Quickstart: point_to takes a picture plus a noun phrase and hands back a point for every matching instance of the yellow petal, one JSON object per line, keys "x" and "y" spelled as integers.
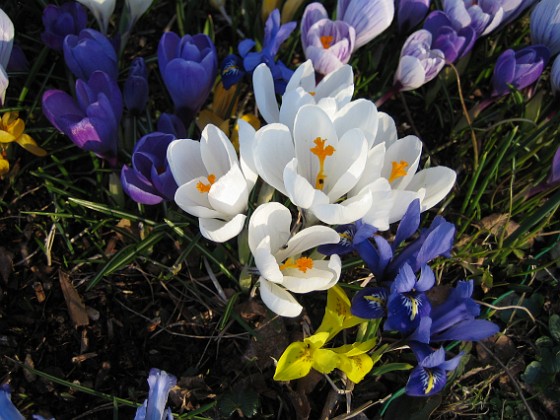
{"x": 356, "y": 367}
{"x": 6, "y": 137}
{"x": 355, "y": 349}
{"x": 317, "y": 340}
{"x": 4, "y": 166}
{"x": 325, "y": 360}
{"x": 16, "y": 127}
{"x": 295, "y": 362}
{"x": 9, "y": 117}
{"x": 206, "y": 117}
{"x": 289, "y": 9}
{"x": 30, "y": 145}
{"x": 223, "y": 103}
{"x": 337, "y": 313}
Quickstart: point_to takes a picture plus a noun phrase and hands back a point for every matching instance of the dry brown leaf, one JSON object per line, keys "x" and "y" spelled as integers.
{"x": 76, "y": 308}
{"x": 6, "y": 263}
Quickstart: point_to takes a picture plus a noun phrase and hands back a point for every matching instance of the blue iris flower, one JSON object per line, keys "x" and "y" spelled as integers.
{"x": 160, "y": 383}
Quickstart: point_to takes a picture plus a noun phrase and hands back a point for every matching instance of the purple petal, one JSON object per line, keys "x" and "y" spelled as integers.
{"x": 468, "y": 330}
{"x": 408, "y": 224}
{"x": 138, "y": 188}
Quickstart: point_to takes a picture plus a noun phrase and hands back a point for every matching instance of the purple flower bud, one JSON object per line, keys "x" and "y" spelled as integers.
{"x": 519, "y": 68}
{"x": 545, "y": 25}
{"x": 150, "y": 180}
{"x": 419, "y": 63}
{"x": 188, "y": 66}
{"x": 368, "y": 17}
{"x": 328, "y": 44}
{"x": 92, "y": 120}
{"x": 411, "y": 12}
{"x": 59, "y": 21}
{"x": 454, "y": 43}
{"x": 136, "y": 87}
{"x": 88, "y": 52}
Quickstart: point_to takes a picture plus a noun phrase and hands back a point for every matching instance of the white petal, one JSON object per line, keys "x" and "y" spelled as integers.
{"x": 358, "y": 114}
{"x": 191, "y": 200}
{"x": 246, "y": 157}
{"x": 329, "y": 105}
{"x": 386, "y": 130}
{"x": 217, "y": 151}
{"x": 401, "y": 201}
{"x": 348, "y": 211}
{"x": 437, "y": 182}
{"x": 292, "y": 101}
{"x": 307, "y": 239}
{"x": 263, "y": 87}
{"x": 279, "y": 300}
{"x": 273, "y": 149}
{"x": 270, "y": 219}
{"x": 310, "y": 281}
{"x": 339, "y": 85}
{"x": 407, "y": 149}
{"x": 185, "y": 161}
{"x": 266, "y": 263}
{"x": 410, "y": 73}
{"x": 382, "y": 198}
{"x": 229, "y": 194}
{"x": 6, "y": 38}
{"x": 221, "y": 230}
{"x": 299, "y": 190}
{"x": 372, "y": 169}
{"x": 304, "y": 77}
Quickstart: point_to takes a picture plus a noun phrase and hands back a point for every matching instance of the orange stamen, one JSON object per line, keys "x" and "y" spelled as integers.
{"x": 398, "y": 170}
{"x": 326, "y": 41}
{"x": 204, "y": 188}
{"x": 302, "y": 264}
{"x": 322, "y": 153}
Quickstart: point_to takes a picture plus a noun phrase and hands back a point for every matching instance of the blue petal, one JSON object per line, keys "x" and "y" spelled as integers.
{"x": 468, "y": 330}
{"x": 405, "y": 310}
{"x": 405, "y": 280}
{"x": 245, "y": 46}
{"x": 408, "y": 224}
{"x": 8, "y": 410}
{"x": 424, "y": 382}
{"x": 363, "y": 231}
{"x": 160, "y": 384}
{"x": 438, "y": 242}
{"x": 427, "y": 279}
{"x": 369, "y": 303}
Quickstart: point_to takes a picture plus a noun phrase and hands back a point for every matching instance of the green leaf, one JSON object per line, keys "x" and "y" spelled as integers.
{"x": 391, "y": 367}
{"x": 554, "y": 327}
{"x": 533, "y": 373}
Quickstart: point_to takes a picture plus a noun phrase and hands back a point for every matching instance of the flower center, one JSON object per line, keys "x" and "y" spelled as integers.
{"x": 398, "y": 170}
{"x": 431, "y": 382}
{"x": 322, "y": 153}
{"x": 412, "y": 305}
{"x": 302, "y": 264}
{"x": 204, "y": 188}
{"x": 326, "y": 41}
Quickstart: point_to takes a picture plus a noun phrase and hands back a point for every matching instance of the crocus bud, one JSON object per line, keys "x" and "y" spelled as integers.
{"x": 454, "y": 43}
{"x": 411, "y": 12}
{"x": 136, "y": 87}
{"x": 59, "y": 21}
{"x": 188, "y": 66}
{"x": 545, "y": 25}
{"x": 519, "y": 68}
{"x": 136, "y": 8}
{"x": 555, "y": 75}
{"x": 149, "y": 180}
{"x": 368, "y": 17}
{"x": 88, "y": 52}
{"x": 419, "y": 63}
{"x": 101, "y": 10}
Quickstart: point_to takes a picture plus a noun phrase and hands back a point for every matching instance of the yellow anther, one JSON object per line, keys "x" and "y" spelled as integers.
{"x": 326, "y": 41}
{"x": 302, "y": 264}
{"x": 398, "y": 170}
{"x": 204, "y": 188}
{"x": 322, "y": 153}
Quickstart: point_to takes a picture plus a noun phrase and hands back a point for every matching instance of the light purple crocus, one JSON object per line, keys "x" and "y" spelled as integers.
{"x": 92, "y": 120}
{"x": 135, "y": 92}
{"x": 188, "y": 66}
{"x": 328, "y": 44}
{"x": 419, "y": 63}
{"x": 88, "y": 52}
{"x": 430, "y": 376}
{"x": 149, "y": 180}
{"x": 368, "y": 17}
{"x": 555, "y": 75}
{"x": 545, "y": 25}
{"x": 482, "y": 15}
{"x": 514, "y": 8}
{"x": 519, "y": 68}
{"x": 59, "y": 21}
{"x": 411, "y": 12}
{"x": 454, "y": 42}
{"x": 160, "y": 383}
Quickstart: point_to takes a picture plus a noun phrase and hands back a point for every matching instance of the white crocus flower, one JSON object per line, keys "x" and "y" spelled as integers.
{"x": 331, "y": 93}
{"x": 6, "y": 44}
{"x": 279, "y": 260}
{"x": 212, "y": 184}
{"x": 137, "y": 8}
{"x": 101, "y": 10}
{"x": 317, "y": 164}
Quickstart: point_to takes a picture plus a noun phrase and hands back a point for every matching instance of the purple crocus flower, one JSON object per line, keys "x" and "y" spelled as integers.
{"x": 171, "y": 124}
{"x": 160, "y": 383}
{"x": 88, "y": 52}
{"x": 188, "y": 66}
{"x": 274, "y": 36}
{"x": 7, "y": 408}
{"x": 482, "y": 15}
{"x": 407, "y": 303}
{"x": 519, "y": 68}
{"x": 555, "y": 75}
{"x": 411, "y": 12}
{"x": 135, "y": 90}
{"x": 150, "y": 180}
{"x": 545, "y": 25}
{"x": 430, "y": 376}
{"x": 368, "y": 17}
{"x": 454, "y": 42}
{"x": 419, "y": 63}
{"x": 328, "y": 44}
{"x": 92, "y": 121}
{"x": 455, "y": 319}
{"x": 18, "y": 60}
{"x": 59, "y": 21}
{"x": 513, "y": 8}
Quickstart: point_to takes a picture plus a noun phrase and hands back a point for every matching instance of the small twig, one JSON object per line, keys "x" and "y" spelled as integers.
{"x": 502, "y": 308}
{"x": 513, "y": 380}
{"x": 215, "y": 281}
